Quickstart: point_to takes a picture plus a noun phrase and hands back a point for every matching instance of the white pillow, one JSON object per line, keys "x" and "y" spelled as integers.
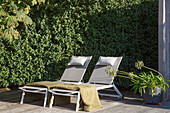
{"x": 77, "y": 61}
{"x": 106, "y": 61}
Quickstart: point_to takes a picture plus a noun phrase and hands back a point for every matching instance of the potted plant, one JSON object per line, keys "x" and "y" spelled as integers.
{"x": 149, "y": 84}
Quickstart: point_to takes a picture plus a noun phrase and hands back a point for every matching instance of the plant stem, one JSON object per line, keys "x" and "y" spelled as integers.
{"x": 125, "y": 73}
{"x": 154, "y": 71}
{"x": 123, "y": 76}
{"x": 126, "y": 77}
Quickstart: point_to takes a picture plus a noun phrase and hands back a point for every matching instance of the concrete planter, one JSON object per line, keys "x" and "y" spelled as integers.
{"x": 155, "y": 99}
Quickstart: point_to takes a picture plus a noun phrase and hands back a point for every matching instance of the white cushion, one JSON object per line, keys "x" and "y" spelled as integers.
{"x": 77, "y": 61}
{"x": 106, "y": 61}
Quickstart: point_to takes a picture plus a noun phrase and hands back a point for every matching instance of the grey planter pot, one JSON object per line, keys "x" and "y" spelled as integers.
{"x": 155, "y": 99}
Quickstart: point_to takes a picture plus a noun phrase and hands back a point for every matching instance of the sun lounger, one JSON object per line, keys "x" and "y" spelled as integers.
{"x": 101, "y": 80}
{"x": 73, "y": 73}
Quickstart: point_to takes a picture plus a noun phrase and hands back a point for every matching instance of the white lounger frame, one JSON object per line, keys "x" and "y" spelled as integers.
{"x": 65, "y": 93}
{"x": 67, "y": 76}
{"x": 34, "y": 90}
{"x": 105, "y": 87}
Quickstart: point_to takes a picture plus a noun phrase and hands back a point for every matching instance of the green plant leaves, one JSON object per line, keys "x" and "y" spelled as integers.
{"x": 12, "y": 22}
{"x": 148, "y": 80}
{"x": 11, "y": 13}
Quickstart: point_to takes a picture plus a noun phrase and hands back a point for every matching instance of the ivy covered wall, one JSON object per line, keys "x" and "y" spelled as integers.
{"x": 125, "y": 28}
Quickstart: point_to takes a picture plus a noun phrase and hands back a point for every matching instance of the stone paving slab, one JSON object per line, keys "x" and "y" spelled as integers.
{"x": 9, "y": 103}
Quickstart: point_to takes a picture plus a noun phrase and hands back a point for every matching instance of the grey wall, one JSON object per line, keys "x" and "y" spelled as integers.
{"x": 164, "y": 41}
{"x": 167, "y": 19}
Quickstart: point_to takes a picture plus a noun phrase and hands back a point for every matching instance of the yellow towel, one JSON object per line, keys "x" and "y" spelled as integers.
{"x": 89, "y": 95}
{"x": 44, "y": 84}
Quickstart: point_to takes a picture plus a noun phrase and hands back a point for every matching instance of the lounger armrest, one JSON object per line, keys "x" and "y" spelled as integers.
{"x": 61, "y": 90}
{"x": 33, "y": 89}
{"x": 64, "y": 92}
{"x": 69, "y": 82}
{"x": 29, "y": 87}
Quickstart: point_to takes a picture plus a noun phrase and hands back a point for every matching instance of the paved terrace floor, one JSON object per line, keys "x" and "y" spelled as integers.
{"x": 130, "y": 104}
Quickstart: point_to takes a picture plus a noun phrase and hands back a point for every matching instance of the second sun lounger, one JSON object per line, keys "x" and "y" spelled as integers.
{"x": 101, "y": 80}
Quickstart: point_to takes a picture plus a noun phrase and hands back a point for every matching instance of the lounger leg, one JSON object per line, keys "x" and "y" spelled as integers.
{"x": 51, "y": 102}
{"x": 45, "y": 99}
{"x": 99, "y": 94}
{"x": 22, "y": 98}
{"x": 117, "y": 91}
{"x": 78, "y": 99}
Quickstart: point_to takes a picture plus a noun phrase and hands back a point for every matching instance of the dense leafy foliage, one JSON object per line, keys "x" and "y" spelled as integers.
{"x": 80, "y": 27}
{"x": 11, "y": 13}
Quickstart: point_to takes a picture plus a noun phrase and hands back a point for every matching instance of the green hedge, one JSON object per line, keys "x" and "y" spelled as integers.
{"x": 80, "y": 27}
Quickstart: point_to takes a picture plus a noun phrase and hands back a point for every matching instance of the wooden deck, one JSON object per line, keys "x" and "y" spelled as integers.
{"x": 9, "y": 103}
